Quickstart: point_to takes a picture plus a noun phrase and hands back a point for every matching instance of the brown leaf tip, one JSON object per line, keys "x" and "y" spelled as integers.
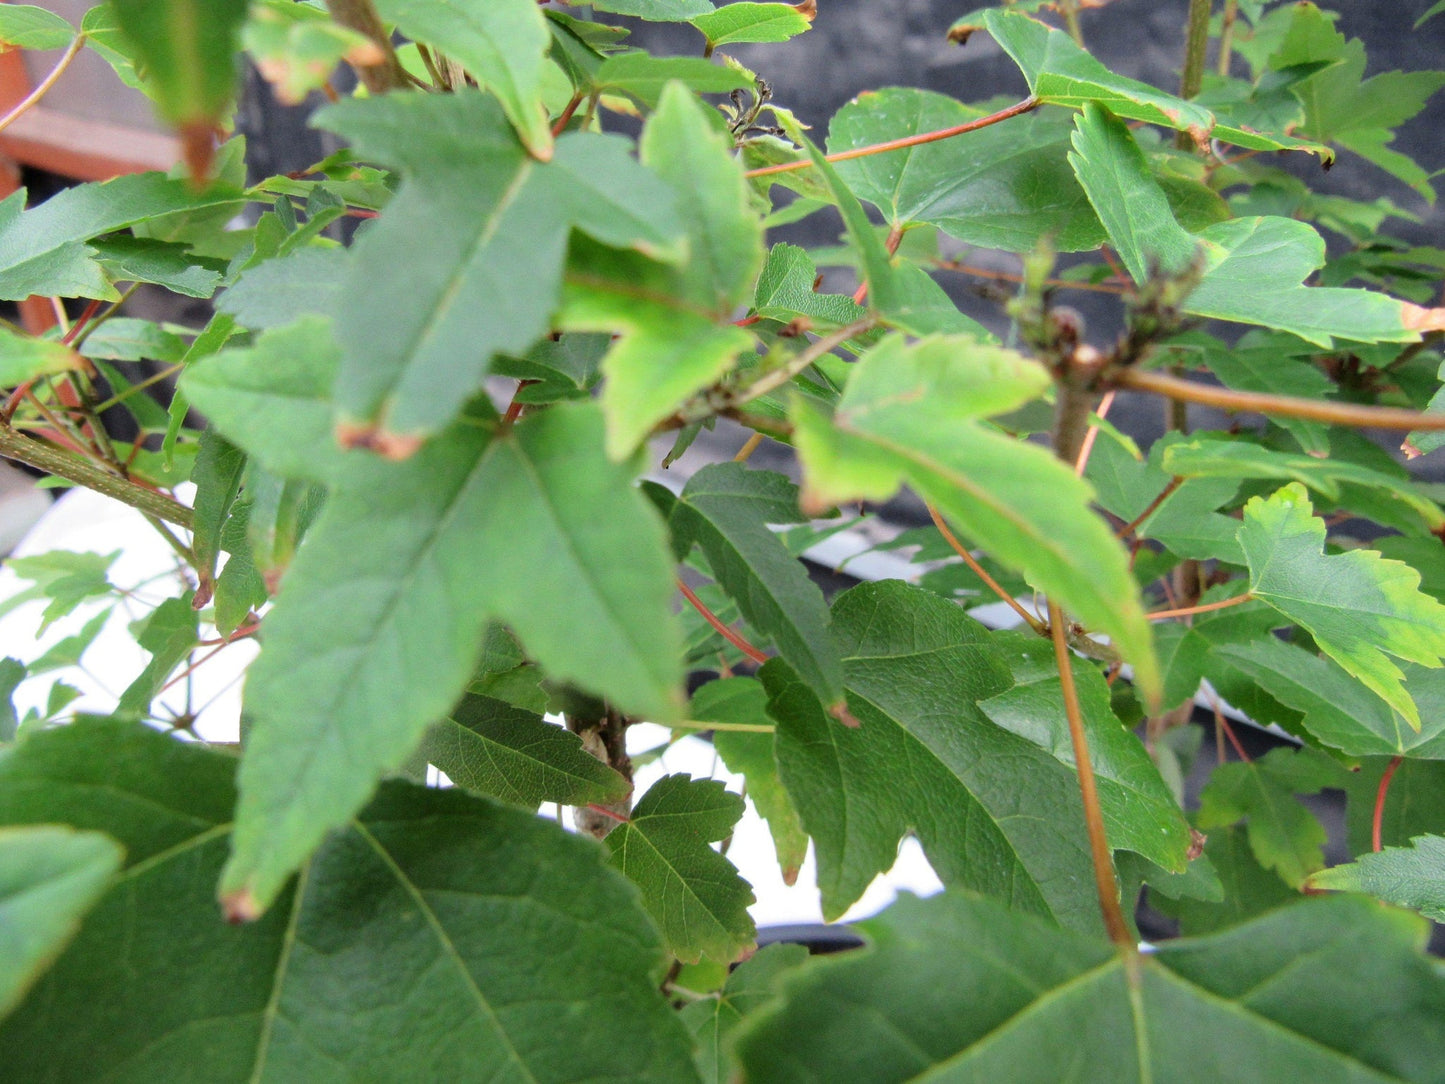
{"x": 840, "y": 712}
{"x": 808, "y": 9}
{"x": 239, "y": 907}
{"x": 1419, "y": 318}
{"x": 395, "y": 446}
{"x": 198, "y": 150}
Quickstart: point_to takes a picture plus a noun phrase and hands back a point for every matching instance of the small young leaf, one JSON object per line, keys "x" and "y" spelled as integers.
{"x": 49, "y": 877}
{"x": 1359, "y": 607}
{"x": 503, "y": 752}
{"x": 24, "y": 26}
{"x": 1412, "y": 876}
{"x": 693, "y": 893}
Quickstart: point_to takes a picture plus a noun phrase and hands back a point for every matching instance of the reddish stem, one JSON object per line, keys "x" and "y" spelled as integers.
{"x": 361, "y": 212}
{"x": 1024, "y": 106}
{"x": 895, "y": 238}
{"x": 566, "y": 115}
{"x": 618, "y": 817}
{"x": 514, "y": 408}
{"x": 1190, "y": 611}
{"x": 1380, "y": 801}
{"x": 716, "y": 622}
{"x": 79, "y": 325}
{"x": 1133, "y": 525}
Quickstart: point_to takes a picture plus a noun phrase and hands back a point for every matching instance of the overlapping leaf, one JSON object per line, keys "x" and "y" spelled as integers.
{"x": 785, "y": 291}
{"x": 693, "y": 893}
{"x": 49, "y": 877}
{"x": 437, "y": 930}
{"x": 713, "y": 1020}
{"x": 1359, "y": 607}
{"x": 503, "y": 43}
{"x": 958, "y": 988}
{"x": 910, "y": 413}
{"x": 678, "y": 337}
{"x": 508, "y": 753}
{"x": 994, "y": 811}
{"x": 723, "y": 509}
{"x": 1004, "y": 186}
{"x": 1412, "y": 876}
{"x": 385, "y": 607}
{"x": 467, "y": 261}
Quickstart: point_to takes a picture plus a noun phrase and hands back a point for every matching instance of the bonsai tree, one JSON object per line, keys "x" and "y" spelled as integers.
{"x": 416, "y": 461}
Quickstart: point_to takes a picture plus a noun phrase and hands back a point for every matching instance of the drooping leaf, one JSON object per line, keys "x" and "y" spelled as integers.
{"x": 676, "y": 322}
{"x": 384, "y": 609}
{"x": 467, "y": 261}
{"x": 279, "y": 513}
{"x": 994, "y": 812}
{"x": 723, "y": 509}
{"x": 743, "y": 702}
{"x": 123, "y": 338}
{"x": 1359, "y": 607}
{"x": 168, "y": 633}
{"x": 693, "y": 893}
{"x": 43, "y": 250}
{"x": 735, "y": 23}
{"x": 49, "y": 877}
{"x": 1412, "y": 876}
{"x": 1253, "y": 274}
{"x": 188, "y": 54}
{"x": 240, "y": 587}
{"x": 503, "y": 43}
{"x": 1127, "y": 197}
{"x": 712, "y": 1020}
{"x": 1139, "y": 812}
{"x": 437, "y": 930}
{"x": 217, "y": 474}
{"x": 12, "y": 673}
{"x": 958, "y": 988}
{"x": 910, "y": 413}
{"x": 1340, "y": 711}
{"x": 1284, "y": 835}
{"x": 1061, "y": 73}
{"x": 24, "y": 26}
{"x": 274, "y": 399}
{"x": 503, "y": 752}
{"x": 1004, "y": 186}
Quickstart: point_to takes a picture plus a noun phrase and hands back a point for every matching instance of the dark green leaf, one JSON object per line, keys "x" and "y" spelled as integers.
{"x": 12, "y": 673}
{"x": 169, "y": 633}
{"x": 240, "y": 588}
{"x": 723, "y": 509}
{"x": 693, "y": 893}
{"x": 1247, "y": 889}
{"x": 786, "y": 291}
{"x": 438, "y": 932}
{"x": 644, "y": 77}
{"x": 495, "y": 749}
{"x": 188, "y": 51}
{"x": 467, "y": 261}
{"x": 1359, "y": 607}
{"x": 306, "y": 282}
{"x": 136, "y": 259}
{"x": 49, "y": 877}
{"x": 217, "y": 474}
{"x": 1412, "y": 876}
{"x": 385, "y": 607}
{"x": 958, "y": 988}
{"x": 712, "y": 1020}
{"x": 1005, "y": 186}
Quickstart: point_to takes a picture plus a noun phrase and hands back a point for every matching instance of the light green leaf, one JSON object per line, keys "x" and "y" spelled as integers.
{"x": 995, "y": 813}
{"x": 1253, "y": 274}
{"x": 376, "y": 634}
{"x": 467, "y": 260}
{"x": 1284, "y": 835}
{"x": 67, "y": 579}
{"x": 1412, "y": 876}
{"x": 1434, "y": 10}
{"x": 503, "y": 752}
{"x": 1127, "y": 197}
{"x": 1139, "y": 812}
{"x": 744, "y": 702}
{"x": 274, "y": 399}
{"x": 24, "y": 26}
{"x": 658, "y": 10}
{"x": 168, "y": 633}
{"x": 712, "y": 1020}
{"x": 910, "y": 413}
{"x": 679, "y": 337}
{"x": 305, "y": 282}
{"x": 693, "y": 893}
{"x": 1059, "y": 72}
{"x": 503, "y": 43}
{"x": 49, "y": 877}
{"x": 24, "y": 358}
{"x": 785, "y": 291}
{"x": 723, "y": 509}
{"x": 436, "y": 931}
{"x": 43, "y": 250}
{"x": 644, "y": 77}
{"x": 188, "y": 53}
{"x": 1337, "y": 709}
{"x": 12, "y": 673}
{"x": 1359, "y": 607}
{"x": 750, "y": 22}
{"x": 958, "y": 988}
{"x": 1005, "y": 186}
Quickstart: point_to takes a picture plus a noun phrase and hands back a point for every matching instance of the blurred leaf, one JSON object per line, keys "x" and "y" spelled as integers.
{"x": 24, "y": 358}
{"x": 1248, "y": 890}
{"x": 66, "y": 579}
{"x": 645, "y": 77}
{"x": 24, "y": 26}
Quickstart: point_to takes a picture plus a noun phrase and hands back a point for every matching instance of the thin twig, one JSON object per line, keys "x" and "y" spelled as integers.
{"x": 908, "y": 141}
{"x": 1287, "y": 406}
{"x": 1133, "y": 525}
{"x": 795, "y": 365}
{"x": 1082, "y": 463}
{"x": 979, "y": 571}
{"x": 44, "y": 85}
{"x": 1105, "y": 879}
{"x": 748, "y": 448}
{"x": 1190, "y": 611}
{"x": 1379, "y": 818}
{"x": 716, "y": 622}
{"x": 895, "y": 238}
{"x": 1013, "y": 276}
